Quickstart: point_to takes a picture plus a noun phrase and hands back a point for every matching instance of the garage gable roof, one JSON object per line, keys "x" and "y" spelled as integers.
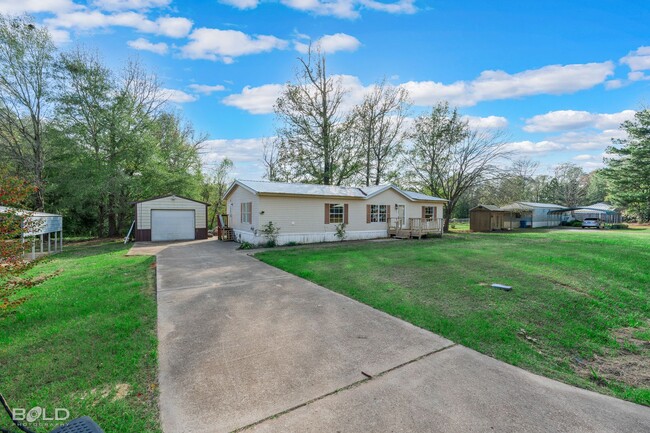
{"x": 303, "y": 189}
{"x": 169, "y": 195}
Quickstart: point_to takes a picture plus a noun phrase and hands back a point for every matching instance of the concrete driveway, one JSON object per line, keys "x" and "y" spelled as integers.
{"x": 244, "y": 346}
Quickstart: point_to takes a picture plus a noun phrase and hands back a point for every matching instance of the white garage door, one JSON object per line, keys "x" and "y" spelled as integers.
{"x": 172, "y": 225}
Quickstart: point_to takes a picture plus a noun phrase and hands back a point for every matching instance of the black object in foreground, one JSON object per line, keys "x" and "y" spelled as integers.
{"x": 502, "y": 287}
{"x": 79, "y": 425}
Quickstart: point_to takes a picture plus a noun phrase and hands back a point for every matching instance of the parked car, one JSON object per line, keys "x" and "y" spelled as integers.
{"x": 592, "y": 223}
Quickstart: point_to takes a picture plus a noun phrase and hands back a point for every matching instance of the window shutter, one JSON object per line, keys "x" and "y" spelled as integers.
{"x": 327, "y": 213}
{"x": 435, "y": 212}
{"x": 345, "y": 213}
{"x": 424, "y": 212}
{"x": 387, "y": 213}
{"x": 367, "y": 214}
{"x": 241, "y": 212}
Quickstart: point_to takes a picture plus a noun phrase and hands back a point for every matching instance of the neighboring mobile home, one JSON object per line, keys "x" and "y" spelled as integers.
{"x": 528, "y": 214}
{"x": 310, "y": 213}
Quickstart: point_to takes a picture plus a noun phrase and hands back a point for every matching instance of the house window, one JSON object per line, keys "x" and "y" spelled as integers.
{"x": 336, "y": 213}
{"x": 378, "y": 213}
{"x": 247, "y": 212}
{"x": 429, "y": 212}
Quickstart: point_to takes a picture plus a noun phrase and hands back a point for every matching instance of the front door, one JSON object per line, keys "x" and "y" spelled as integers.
{"x": 401, "y": 214}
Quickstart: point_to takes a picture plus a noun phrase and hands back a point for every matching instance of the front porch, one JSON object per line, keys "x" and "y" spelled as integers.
{"x": 400, "y": 228}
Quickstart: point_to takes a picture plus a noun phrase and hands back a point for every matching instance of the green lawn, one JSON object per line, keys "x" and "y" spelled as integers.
{"x": 578, "y": 312}
{"x": 84, "y": 339}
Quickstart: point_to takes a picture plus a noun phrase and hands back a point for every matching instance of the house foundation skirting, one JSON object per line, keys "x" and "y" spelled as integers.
{"x": 308, "y": 238}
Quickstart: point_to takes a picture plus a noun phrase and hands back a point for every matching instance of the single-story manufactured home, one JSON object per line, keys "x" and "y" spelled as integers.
{"x": 308, "y": 213}
{"x": 528, "y": 214}
{"x": 170, "y": 218}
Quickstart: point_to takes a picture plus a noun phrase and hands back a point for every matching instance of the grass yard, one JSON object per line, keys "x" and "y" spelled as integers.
{"x": 579, "y": 310}
{"x": 83, "y": 338}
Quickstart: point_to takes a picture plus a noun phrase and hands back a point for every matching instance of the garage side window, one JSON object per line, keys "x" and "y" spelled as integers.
{"x": 247, "y": 212}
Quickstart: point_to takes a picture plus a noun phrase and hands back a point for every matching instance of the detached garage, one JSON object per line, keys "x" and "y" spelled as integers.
{"x": 170, "y": 218}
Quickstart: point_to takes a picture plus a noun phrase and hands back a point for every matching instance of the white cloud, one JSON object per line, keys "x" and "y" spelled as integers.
{"x": 329, "y": 44}
{"x": 174, "y": 27}
{"x": 145, "y": 45}
{"x": 36, "y": 6}
{"x": 238, "y": 150}
{"x": 589, "y": 140}
{"x": 260, "y": 100}
{"x": 119, "y": 5}
{"x": 530, "y": 147}
{"x": 563, "y": 120}
{"x": 399, "y": 7}
{"x": 256, "y": 100}
{"x": 638, "y": 60}
{"x": 241, "y": 4}
{"x": 88, "y": 20}
{"x": 614, "y": 84}
{"x": 337, "y": 8}
{"x": 176, "y": 96}
{"x": 224, "y": 45}
{"x": 584, "y": 157}
{"x": 206, "y": 89}
{"x": 493, "y": 85}
{"x": 348, "y": 8}
{"x": 59, "y": 37}
{"x": 489, "y": 122}
{"x": 637, "y": 76}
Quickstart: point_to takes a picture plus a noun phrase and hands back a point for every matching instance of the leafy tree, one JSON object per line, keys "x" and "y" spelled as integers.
{"x": 26, "y": 92}
{"x": 597, "y": 187}
{"x": 315, "y": 132}
{"x": 380, "y": 129}
{"x": 572, "y": 184}
{"x": 448, "y": 158}
{"x": 628, "y": 170}
{"x": 14, "y": 193}
{"x": 214, "y": 188}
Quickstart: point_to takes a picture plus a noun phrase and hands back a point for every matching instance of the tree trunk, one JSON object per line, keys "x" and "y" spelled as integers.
{"x": 112, "y": 217}
{"x": 448, "y": 210}
{"x": 100, "y": 220}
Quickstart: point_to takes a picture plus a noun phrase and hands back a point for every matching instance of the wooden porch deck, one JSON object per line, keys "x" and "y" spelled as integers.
{"x": 414, "y": 227}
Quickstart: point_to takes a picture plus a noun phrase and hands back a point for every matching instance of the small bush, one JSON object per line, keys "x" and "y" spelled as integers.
{"x": 246, "y": 246}
{"x": 575, "y": 223}
{"x": 340, "y": 232}
{"x": 270, "y": 232}
{"x": 619, "y": 226}
{"x": 292, "y": 244}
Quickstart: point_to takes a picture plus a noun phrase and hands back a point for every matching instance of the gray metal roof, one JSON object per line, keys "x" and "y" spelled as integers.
{"x": 5, "y": 209}
{"x": 528, "y": 205}
{"x": 365, "y": 192}
{"x": 603, "y": 207}
{"x": 488, "y": 207}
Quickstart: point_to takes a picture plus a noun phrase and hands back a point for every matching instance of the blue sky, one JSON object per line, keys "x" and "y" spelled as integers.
{"x": 558, "y": 76}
